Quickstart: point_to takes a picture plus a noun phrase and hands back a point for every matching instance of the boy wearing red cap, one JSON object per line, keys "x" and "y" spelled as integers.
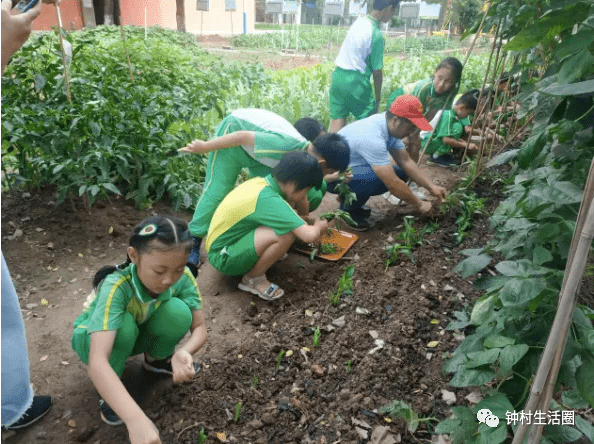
{"x": 360, "y": 56}
{"x": 373, "y": 172}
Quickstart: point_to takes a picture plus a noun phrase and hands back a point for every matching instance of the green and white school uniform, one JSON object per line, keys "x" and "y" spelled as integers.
{"x": 255, "y": 203}
{"x": 143, "y": 323}
{"x": 449, "y": 126}
{"x": 274, "y": 137}
{"x": 425, "y": 92}
{"x": 361, "y": 53}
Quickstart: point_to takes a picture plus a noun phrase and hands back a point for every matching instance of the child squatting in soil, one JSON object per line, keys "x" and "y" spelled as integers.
{"x": 255, "y": 225}
{"x": 145, "y": 305}
{"x": 435, "y": 93}
{"x": 446, "y": 141}
{"x": 255, "y": 139}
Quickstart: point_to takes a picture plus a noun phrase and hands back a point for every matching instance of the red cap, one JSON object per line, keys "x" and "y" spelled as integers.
{"x": 410, "y": 108}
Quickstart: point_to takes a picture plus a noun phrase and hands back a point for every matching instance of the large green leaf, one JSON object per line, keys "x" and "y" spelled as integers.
{"x": 585, "y": 427}
{"x": 472, "y": 265}
{"x": 510, "y": 355}
{"x": 561, "y": 434}
{"x": 467, "y": 377}
{"x": 520, "y": 291}
{"x": 585, "y": 381}
{"x": 573, "y": 89}
{"x": 574, "y": 43}
{"x": 498, "y": 341}
{"x": 482, "y": 310}
{"x": 576, "y": 66}
{"x": 548, "y": 26}
{"x": 498, "y": 404}
{"x": 478, "y": 359}
{"x": 493, "y": 435}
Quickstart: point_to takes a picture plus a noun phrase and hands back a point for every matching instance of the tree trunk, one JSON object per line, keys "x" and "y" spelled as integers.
{"x": 108, "y": 12}
{"x": 180, "y": 15}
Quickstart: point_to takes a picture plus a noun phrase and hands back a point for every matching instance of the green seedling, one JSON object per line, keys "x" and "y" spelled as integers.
{"x": 237, "y": 411}
{"x": 202, "y": 437}
{"x": 401, "y": 410}
{"x": 345, "y": 285}
{"x": 410, "y": 237}
{"x": 469, "y": 207}
{"x": 279, "y": 359}
{"x": 349, "y": 366}
{"x": 255, "y": 382}
{"x": 316, "y": 337}
{"x": 346, "y": 196}
{"x": 340, "y": 215}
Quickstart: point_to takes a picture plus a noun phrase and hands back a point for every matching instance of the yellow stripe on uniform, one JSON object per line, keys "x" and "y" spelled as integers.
{"x": 193, "y": 280}
{"x": 119, "y": 282}
{"x": 237, "y": 205}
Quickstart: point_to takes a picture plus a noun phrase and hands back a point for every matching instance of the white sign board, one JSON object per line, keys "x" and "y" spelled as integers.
{"x": 409, "y": 10}
{"x": 274, "y": 7}
{"x": 429, "y": 12}
{"x": 202, "y": 5}
{"x": 334, "y": 7}
{"x": 357, "y": 8}
{"x": 230, "y": 5}
{"x": 290, "y": 7}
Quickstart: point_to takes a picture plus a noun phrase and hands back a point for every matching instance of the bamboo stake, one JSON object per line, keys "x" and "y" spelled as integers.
{"x": 483, "y": 144}
{"x": 66, "y": 75}
{"x": 483, "y": 87}
{"x": 124, "y": 40}
{"x": 502, "y": 113}
{"x": 551, "y": 358}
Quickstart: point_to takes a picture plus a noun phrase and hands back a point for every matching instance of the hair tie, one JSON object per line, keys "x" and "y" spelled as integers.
{"x": 148, "y": 230}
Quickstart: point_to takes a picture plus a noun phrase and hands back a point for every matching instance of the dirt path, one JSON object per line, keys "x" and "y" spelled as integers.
{"x": 55, "y": 254}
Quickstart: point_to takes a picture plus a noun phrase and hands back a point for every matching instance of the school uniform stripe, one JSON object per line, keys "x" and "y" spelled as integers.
{"x": 109, "y": 299}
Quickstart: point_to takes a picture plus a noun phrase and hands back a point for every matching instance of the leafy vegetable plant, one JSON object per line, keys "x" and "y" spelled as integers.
{"x": 409, "y": 238}
{"x": 317, "y": 336}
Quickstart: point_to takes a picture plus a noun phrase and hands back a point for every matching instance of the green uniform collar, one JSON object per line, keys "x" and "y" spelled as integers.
{"x": 274, "y": 185}
{"x": 140, "y": 291}
{"x": 374, "y": 21}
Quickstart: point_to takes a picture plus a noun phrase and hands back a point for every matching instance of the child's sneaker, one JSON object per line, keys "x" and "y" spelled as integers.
{"x": 163, "y": 366}
{"x": 194, "y": 256}
{"x": 108, "y": 416}
{"x": 39, "y": 408}
{"x": 445, "y": 160}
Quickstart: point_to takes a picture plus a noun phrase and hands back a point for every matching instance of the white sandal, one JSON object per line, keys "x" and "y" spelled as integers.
{"x": 268, "y": 294}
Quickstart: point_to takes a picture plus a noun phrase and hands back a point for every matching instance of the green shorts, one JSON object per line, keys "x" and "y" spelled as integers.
{"x": 350, "y": 93}
{"x": 236, "y": 259}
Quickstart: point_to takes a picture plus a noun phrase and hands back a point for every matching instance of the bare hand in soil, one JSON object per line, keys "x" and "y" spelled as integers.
{"x": 425, "y": 208}
{"x": 143, "y": 431}
{"x": 439, "y": 192}
{"x": 322, "y": 224}
{"x": 182, "y": 365}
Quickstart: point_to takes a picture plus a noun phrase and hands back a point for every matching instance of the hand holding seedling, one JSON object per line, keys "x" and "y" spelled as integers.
{"x": 322, "y": 225}
{"x": 195, "y": 146}
{"x": 425, "y": 208}
{"x": 182, "y": 365}
{"x": 439, "y": 192}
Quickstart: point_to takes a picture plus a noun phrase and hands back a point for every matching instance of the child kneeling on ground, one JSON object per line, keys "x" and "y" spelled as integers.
{"x": 447, "y": 136}
{"x": 146, "y": 305}
{"x": 255, "y": 225}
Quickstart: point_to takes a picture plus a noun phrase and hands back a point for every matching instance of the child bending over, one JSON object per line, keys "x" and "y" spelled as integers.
{"x": 447, "y": 136}
{"x": 145, "y": 305}
{"x": 255, "y": 225}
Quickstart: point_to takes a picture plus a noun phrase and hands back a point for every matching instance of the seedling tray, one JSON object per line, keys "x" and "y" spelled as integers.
{"x": 342, "y": 239}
